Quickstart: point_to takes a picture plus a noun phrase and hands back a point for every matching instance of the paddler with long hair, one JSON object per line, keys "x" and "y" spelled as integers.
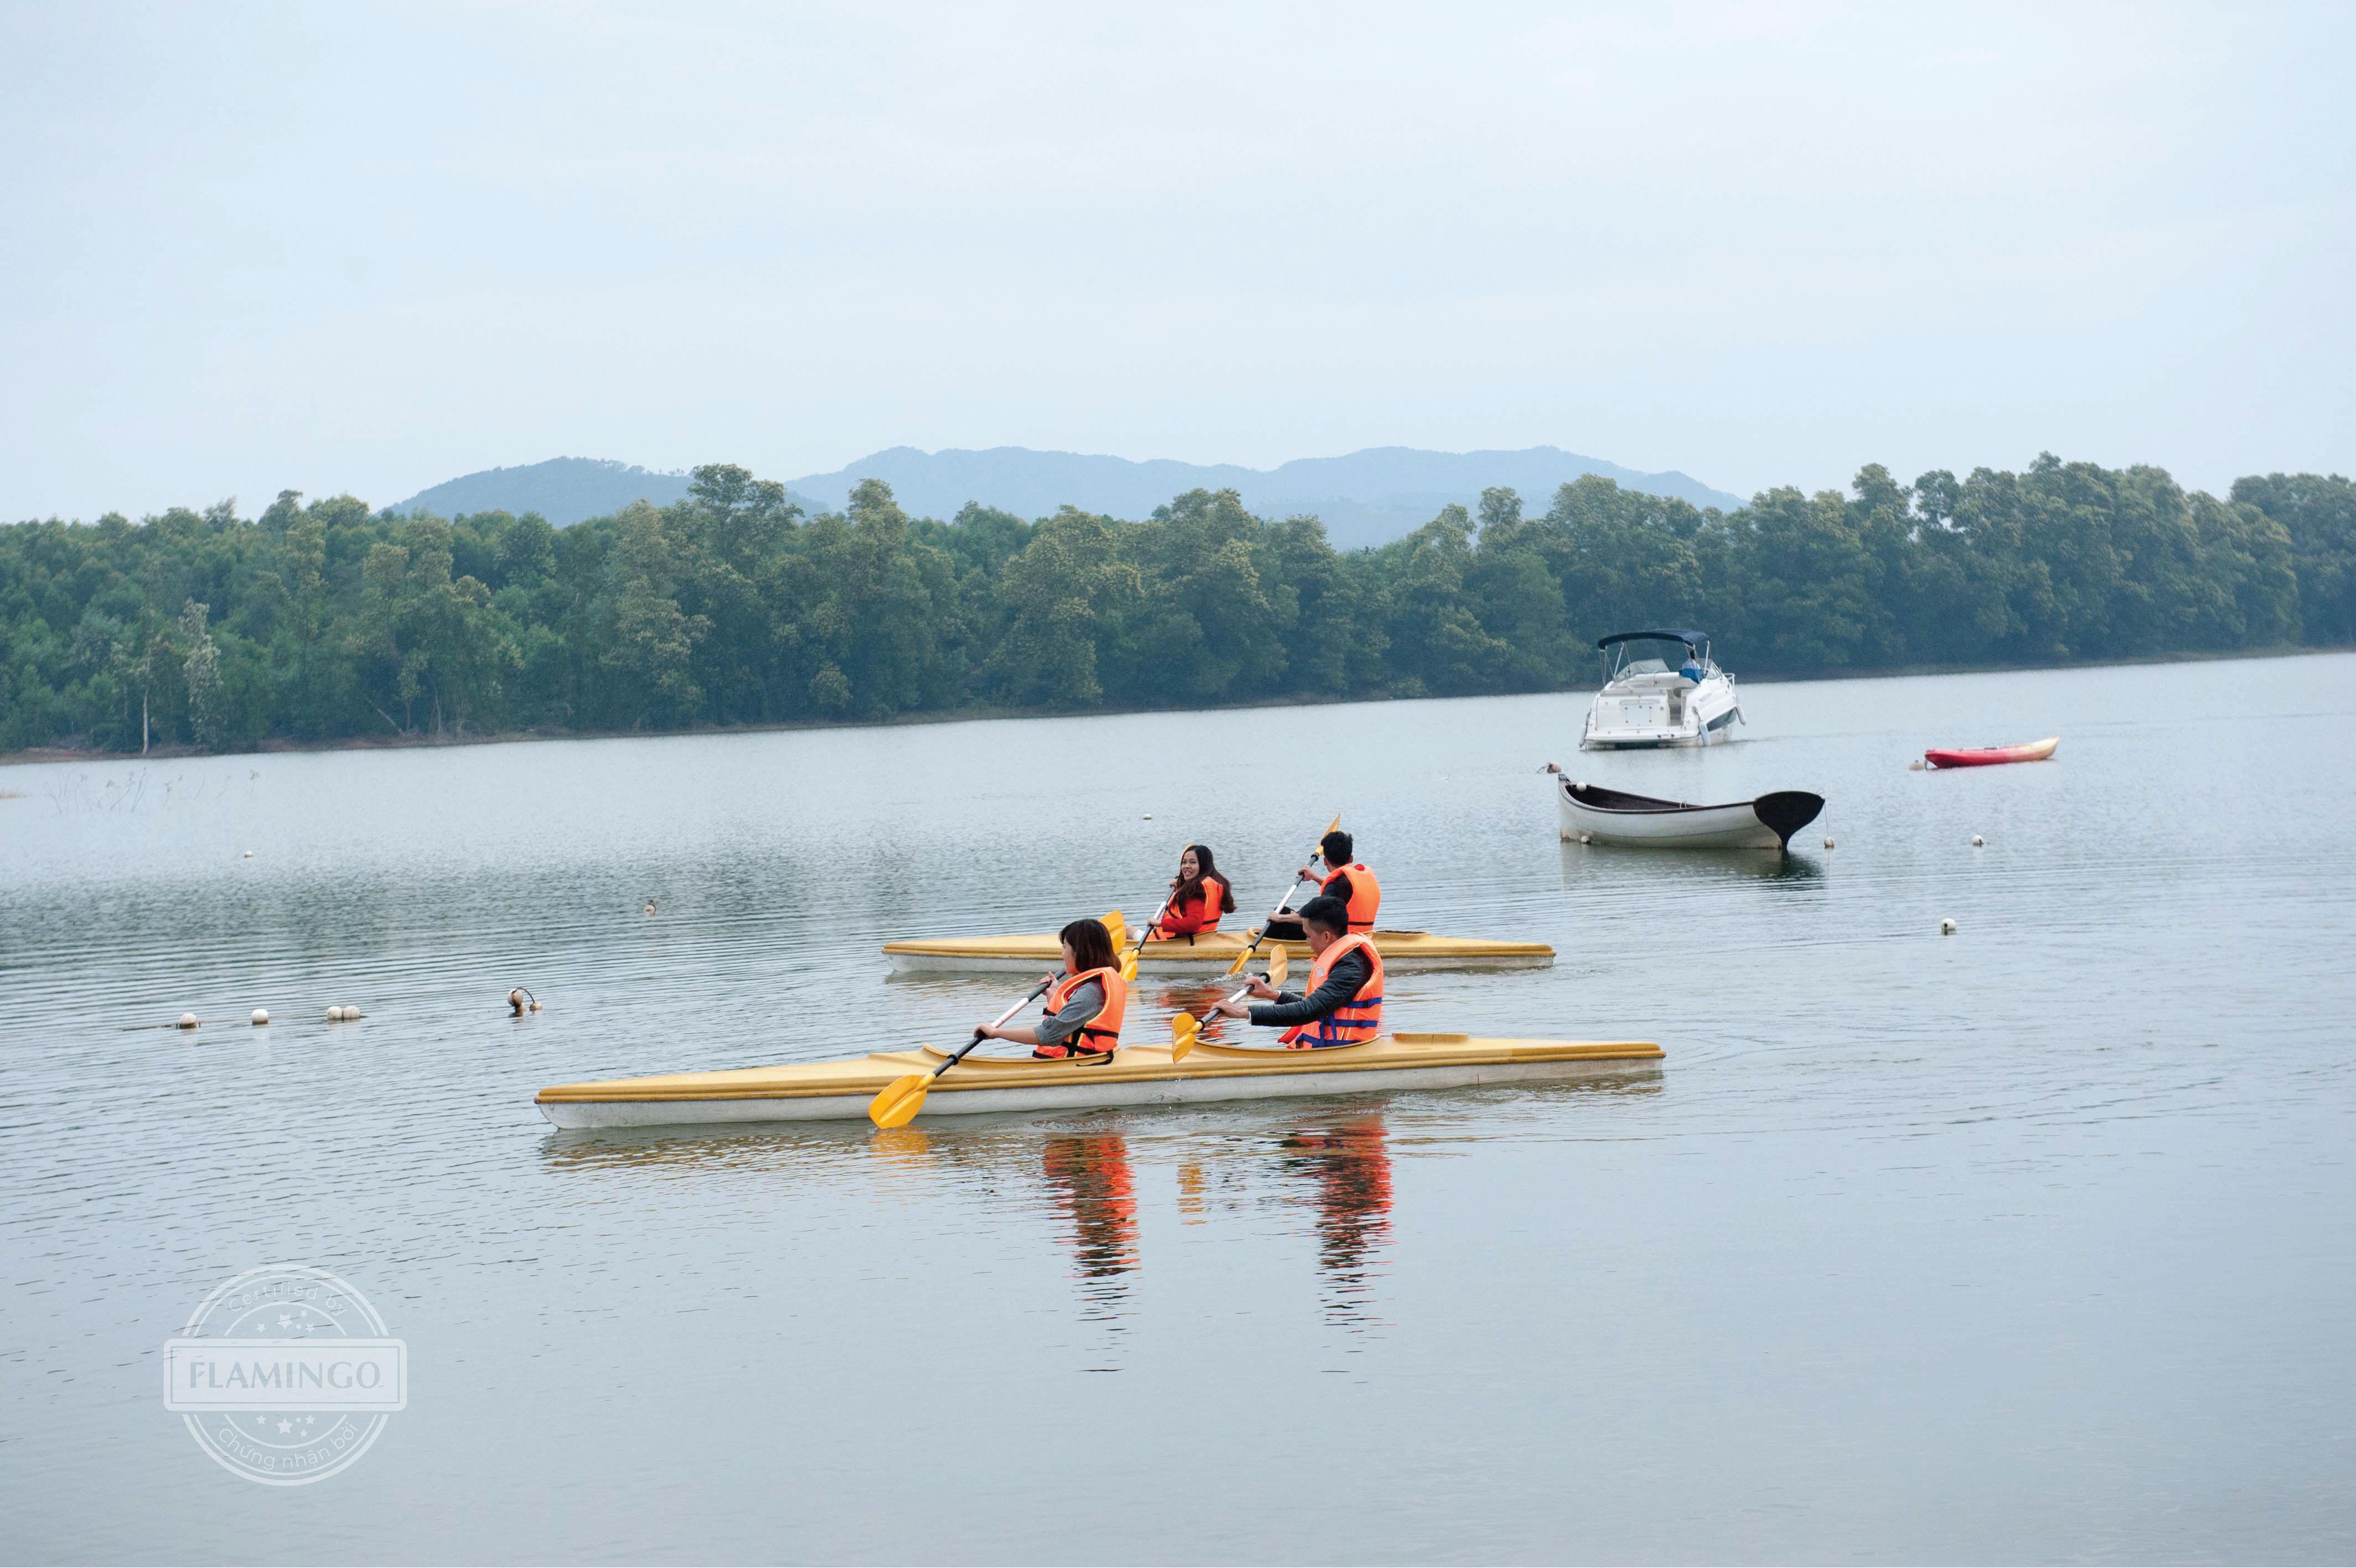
{"x": 1347, "y": 879}
{"x": 1199, "y": 895}
{"x": 1343, "y": 1004}
{"x": 1084, "y": 1006}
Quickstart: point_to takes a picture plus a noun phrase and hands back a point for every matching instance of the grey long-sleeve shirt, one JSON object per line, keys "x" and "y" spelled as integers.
{"x": 1342, "y": 982}
{"x": 1084, "y": 1003}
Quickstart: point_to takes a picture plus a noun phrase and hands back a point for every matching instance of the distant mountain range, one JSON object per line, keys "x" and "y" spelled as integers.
{"x": 1367, "y": 497}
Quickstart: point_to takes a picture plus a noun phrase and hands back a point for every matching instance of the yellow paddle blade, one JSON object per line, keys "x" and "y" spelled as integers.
{"x": 1186, "y": 1026}
{"x": 1277, "y": 965}
{"x": 1244, "y": 957}
{"x": 1335, "y": 826}
{"x": 1128, "y": 967}
{"x": 902, "y": 1098}
{"x": 1179, "y": 1048}
{"x": 1115, "y": 927}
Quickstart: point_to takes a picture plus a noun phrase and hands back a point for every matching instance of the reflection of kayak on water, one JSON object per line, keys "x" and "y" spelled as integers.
{"x": 1135, "y": 1075}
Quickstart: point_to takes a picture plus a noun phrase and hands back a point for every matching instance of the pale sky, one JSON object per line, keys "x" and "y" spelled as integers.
{"x": 337, "y": 248}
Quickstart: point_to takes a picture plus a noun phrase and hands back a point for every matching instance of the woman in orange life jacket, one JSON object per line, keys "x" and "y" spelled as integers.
{"x": 1346, "y": 879}
{"x": 1344, "y": 1003}
{"x": 1198, "y": 896}
{"x": 1084, "y": 1007}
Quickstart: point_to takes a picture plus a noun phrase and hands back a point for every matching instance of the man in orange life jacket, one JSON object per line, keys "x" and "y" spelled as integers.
{"x": 1345, "y": 1003}
{"x": 1347, "y": 879}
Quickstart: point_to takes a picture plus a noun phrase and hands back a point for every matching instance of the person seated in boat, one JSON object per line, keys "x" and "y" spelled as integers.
{"x": 1345, "y": 879}
{"x": 1690, "y": 670}
{"x": 1198, "y": 897}
{"x": 1085, "y": 1005}
{"x": 1343, "y": 1004}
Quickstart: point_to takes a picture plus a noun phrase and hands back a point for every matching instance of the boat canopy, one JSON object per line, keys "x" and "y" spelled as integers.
{"x": 1690, "y": 639}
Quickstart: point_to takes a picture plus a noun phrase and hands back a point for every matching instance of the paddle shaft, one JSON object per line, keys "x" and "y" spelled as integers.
{"x": 1283, "y": 907}
{"x": 959, "y": 1055}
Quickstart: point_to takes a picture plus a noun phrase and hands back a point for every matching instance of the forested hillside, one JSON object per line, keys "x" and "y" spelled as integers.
{"x": 316, "y": 623}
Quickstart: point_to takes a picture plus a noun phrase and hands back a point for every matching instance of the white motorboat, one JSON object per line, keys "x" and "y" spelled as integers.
{"x": 1591, "y": 813}
{"x": 1660, "y": 689}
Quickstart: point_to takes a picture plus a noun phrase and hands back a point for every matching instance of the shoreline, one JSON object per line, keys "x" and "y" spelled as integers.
{"x": 35, "y": 756}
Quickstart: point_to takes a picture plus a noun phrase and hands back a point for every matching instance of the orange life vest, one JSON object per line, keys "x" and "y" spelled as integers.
{"x": 1360, "y": 1018}
{"x": 1208, "y": 897}
{"x": 1365, "y": 894}
{"x": 1102, "y": 1032}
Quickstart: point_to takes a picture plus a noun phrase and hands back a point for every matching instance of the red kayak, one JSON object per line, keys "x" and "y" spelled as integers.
{"x": 1988, "y": 756}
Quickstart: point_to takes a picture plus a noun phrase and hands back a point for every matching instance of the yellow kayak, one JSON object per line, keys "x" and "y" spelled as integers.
{"x": 1136, "y": 1075}
{"x": 1404, "y": 952}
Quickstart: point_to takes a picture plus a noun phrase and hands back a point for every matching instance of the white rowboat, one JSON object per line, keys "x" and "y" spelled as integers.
{"x": 1592, "y": 814}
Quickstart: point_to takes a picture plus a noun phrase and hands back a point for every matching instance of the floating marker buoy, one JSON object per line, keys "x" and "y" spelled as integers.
{"x": 188, "y": 1020}
{"x": 1915, "y": 766}
{"x": 351, "y": 1015}
{"x": 1583, "y": 839}
{"x": 650, "y": 906}
{"x": 249, "y": 854}
{"x": 262, "y": 1015}
{"x": 335, "y": 1015}
{"x": 1828, "y": 843}
{"x": 1946, "y": 928}
{"x": 1977, "y": 841}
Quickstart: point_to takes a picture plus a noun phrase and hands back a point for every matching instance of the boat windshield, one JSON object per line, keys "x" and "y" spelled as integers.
{"x": 1649, "y": 656}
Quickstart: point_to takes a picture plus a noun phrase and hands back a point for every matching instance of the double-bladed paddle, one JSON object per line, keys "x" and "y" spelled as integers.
{"x": 1186, "y": 1026}
{"x": 1283, "y": 906}
{"x": 902, "y": 1098}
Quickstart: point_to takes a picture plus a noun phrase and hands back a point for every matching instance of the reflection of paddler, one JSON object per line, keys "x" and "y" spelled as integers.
{"x": 1091, "y": 1177}
{"x": 1346, "y": 879}
{"x": 1343, "y": 1004}
{"x": 1198, "y": 896}
{"x": 1084, "y": 1007}
{"x": 1353, "y": 1169}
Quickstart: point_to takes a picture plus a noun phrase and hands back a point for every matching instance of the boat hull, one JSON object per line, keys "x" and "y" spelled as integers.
{"x": 1651, "y": 716}
{"x": 1766, "y": 823}
{"x": 1404, "y": 952}
{"x": 1991, "y": 756}
{"x": 1137, "y": 1077}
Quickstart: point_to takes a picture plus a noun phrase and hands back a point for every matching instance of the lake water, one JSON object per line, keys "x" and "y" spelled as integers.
{"x": 2037, "y": 1242}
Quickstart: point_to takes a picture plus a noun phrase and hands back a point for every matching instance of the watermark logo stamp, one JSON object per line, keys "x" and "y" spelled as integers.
{"x": 286, "y": 1375}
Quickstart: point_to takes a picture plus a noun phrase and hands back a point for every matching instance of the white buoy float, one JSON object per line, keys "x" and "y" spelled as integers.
{"x": 335, "y": 1015}
{"x": 261, "y": 1016}
{"x": 1978, "y": 842}
{"x": 1946, "y": 928}
{"x": 1828, "y": 843}
{"x": 188, "y": 1020}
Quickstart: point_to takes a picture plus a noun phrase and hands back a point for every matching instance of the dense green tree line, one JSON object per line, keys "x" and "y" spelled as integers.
{"x": 321, "y": 622}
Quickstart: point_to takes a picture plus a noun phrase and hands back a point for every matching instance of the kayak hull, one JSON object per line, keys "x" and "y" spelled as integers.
{"x": 1137, "y": 1077}
{"x": 1991, "y": 756}
{"x": 1404, "y": 952}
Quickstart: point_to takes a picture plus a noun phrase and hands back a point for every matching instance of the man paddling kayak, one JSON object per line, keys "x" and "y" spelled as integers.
{"x": 1346, "y": 881}
{"x": 1344, "y": 1001}
{"x": 1198, "y": 897}
{"x": 1084, "y": 1007}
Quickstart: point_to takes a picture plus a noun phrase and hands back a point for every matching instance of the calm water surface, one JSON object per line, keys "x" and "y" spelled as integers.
{"x": 2033, "y": 1243}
